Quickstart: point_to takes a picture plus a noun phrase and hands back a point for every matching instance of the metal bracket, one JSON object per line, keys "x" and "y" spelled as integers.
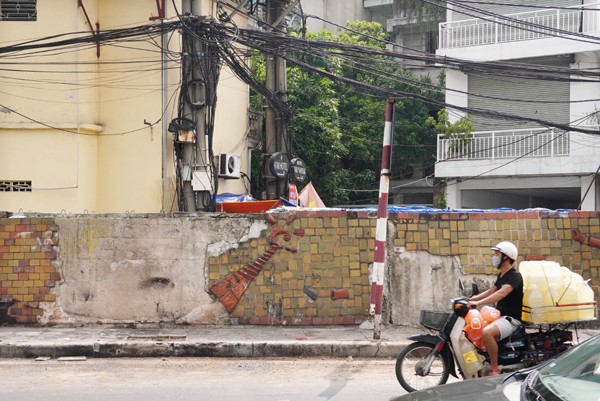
{"x": 160, "y": 6}
{"x": 96, "y": 33}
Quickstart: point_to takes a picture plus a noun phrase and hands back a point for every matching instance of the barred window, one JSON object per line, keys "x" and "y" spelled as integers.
{"x": 18, "y": 10}
{"x": 15, "y": 186}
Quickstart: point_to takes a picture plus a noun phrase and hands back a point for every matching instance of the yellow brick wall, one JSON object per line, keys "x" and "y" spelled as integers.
{"x": 27, "y": 274}
{"x": 338, "y": 246}
{"x": 326, "y": 251}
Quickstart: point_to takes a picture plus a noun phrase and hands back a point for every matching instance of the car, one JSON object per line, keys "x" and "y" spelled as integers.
{"x": 574, "y": 375}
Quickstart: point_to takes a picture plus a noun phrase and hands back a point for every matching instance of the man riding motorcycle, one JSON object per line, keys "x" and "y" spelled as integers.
{"x": 507, "y": 294}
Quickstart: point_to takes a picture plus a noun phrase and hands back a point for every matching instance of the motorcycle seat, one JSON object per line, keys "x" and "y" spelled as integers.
{"x": 518, "y": 337}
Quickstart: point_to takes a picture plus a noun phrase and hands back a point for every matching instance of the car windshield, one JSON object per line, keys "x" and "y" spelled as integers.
{"x": 576, "y": 375}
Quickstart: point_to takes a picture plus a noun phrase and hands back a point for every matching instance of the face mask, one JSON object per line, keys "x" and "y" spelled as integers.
{"x": 496, "y": 261}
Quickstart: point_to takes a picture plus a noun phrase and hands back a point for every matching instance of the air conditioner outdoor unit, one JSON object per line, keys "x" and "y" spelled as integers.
{"x": 229, "y": 165}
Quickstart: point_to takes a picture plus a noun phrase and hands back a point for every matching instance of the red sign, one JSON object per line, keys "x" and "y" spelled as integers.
{"x": 293, "y": 194}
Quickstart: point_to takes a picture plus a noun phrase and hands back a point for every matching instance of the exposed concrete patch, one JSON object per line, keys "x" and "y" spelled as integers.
{"x": 126, "y": 264}
{"x": 423, "y": 280}
{"x": 54, "y": 314}
{"x": 219, "y": 248}
{"x": 214, "y": 313}
{"x": 255, "y": 231}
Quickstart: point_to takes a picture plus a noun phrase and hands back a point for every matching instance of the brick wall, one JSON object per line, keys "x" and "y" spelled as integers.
{"x": 538, "y": 235}
{"x": 27, "y": 272}
{"x": 337, "y": 249}
{"x": 295, "y": 286}
{"x": 307, "y": 267}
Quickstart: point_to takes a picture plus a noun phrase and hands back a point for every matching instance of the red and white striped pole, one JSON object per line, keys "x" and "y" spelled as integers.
{"x": 381, "y": 229}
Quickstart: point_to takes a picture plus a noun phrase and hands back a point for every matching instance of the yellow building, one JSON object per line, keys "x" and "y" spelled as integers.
{"x": 83, "y": 127}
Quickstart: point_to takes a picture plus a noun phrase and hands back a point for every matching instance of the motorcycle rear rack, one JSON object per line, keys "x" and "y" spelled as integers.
{"x": 550, "y": 314}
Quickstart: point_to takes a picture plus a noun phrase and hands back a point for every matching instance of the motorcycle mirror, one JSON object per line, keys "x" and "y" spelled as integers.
{"x": 461, "y": 287}
{"x": 474, "y": 289}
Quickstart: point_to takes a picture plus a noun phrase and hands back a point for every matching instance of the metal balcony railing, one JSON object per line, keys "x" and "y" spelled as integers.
{"x": 538, "y": 142}
{"x": 521, "y": 26}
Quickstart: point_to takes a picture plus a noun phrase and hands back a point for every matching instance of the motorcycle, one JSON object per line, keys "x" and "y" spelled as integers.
{"x": 432, "y": 358}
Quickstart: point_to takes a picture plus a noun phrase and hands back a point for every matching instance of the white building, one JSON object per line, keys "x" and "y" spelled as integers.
{"x": 338, "y": 12}
{"x": 521, "y": 164}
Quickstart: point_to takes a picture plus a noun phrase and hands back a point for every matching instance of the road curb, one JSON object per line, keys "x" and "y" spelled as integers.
{"x": 240, "y": 349}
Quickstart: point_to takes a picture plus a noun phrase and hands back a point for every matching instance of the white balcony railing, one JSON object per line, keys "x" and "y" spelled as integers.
{"x": 521, "y": 26}
{"x": 538, "y": 142}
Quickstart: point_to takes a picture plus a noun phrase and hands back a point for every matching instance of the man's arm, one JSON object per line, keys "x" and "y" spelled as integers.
{"x": 483, "y": 295}
{"x": 493, "y": 297}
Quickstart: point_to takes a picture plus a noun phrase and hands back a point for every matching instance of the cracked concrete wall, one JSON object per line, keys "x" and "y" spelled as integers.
{"x": 142, "y": 268}
{"x": 156, "y": 268}
{"x": 419, "y": 280}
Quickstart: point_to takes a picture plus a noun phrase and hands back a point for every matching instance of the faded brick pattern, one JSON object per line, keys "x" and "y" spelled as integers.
{"x": 537, "y": 235}
{"x": 338, "y": 246}
{"x": 318, "y": 277}
{"x": 28, "y": 247}
{"x": 334, "y": 253}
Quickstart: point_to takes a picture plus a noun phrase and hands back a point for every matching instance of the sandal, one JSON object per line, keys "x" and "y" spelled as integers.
{"x": 493, "y": 372}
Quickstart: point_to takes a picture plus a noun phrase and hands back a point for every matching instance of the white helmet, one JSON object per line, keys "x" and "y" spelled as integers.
{"x": 507, "y": 248}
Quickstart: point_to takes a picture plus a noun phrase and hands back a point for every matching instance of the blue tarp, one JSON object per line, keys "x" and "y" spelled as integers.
{"x": 229, "y": 197}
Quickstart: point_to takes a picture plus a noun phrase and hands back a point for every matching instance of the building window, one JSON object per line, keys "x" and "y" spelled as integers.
{"x": 15, "y": 186}
{"x": 18, "y": 10}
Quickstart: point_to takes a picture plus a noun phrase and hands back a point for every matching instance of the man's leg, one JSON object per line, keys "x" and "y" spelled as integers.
{"x": 491, "y": 334}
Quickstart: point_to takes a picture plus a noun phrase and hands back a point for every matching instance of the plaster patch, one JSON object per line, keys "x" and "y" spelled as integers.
{"x": 255, "y": 231}
{"x": 125, "y": 264}
{"x": 219, "y": 248}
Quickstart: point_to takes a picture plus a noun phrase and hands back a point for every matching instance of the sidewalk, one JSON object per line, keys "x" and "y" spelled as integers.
{"x": 203, "y": 341}
{"x": 214, "y": 341}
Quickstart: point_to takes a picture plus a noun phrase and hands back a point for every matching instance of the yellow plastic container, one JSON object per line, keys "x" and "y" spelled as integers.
{"x": 535, "y": 302}
{"x": 552, "y": 293}
{"x": 586, "y": 295}
{"x": 569, "y": 300}
{"x": 469, "y": 355}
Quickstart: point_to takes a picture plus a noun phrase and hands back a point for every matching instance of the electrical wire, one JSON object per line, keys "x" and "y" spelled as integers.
{"x": 279, "y": 45}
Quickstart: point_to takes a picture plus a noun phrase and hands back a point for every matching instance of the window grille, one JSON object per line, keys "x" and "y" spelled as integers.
{"x": 15, "y": 186}
{"x": 18, "y": 10}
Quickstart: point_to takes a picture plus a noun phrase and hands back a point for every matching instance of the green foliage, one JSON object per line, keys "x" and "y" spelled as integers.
{"x": 338, "y": 129}
{"x": 460, "y": 131}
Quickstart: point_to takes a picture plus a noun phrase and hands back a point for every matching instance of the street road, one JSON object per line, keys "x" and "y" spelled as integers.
{"x": 183, "y": 379}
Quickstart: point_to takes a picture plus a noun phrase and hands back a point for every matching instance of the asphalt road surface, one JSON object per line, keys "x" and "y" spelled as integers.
{"x": 183, "y": 379}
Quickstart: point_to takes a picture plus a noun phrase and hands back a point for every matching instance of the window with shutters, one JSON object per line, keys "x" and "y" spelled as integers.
{"x": 18, "y": 10}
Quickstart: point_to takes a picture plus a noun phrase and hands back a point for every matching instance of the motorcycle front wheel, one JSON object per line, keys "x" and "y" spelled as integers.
{"x": 410, "y": 364}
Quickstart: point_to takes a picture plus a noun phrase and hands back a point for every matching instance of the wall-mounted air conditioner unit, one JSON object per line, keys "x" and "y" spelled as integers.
{"x": 229, "y": 165}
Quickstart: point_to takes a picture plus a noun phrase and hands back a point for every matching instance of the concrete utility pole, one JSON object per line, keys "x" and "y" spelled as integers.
{"x": 195, "y": 155}
{"x": 276, "y": 134}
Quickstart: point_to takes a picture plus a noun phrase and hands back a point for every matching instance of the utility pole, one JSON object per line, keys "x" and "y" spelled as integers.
{"x": 195, "y": 171}
{"x": 276, "y": 135}
{"x": 381, "y": 229}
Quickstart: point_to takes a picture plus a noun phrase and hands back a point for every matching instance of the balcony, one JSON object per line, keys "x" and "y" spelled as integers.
{"x": 539, "y": 142}
{"x": 531, "y": 25}
{"x": 538, "y": 151}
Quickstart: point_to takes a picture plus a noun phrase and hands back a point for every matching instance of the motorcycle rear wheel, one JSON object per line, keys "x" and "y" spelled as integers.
{"x": 411, "y": 359}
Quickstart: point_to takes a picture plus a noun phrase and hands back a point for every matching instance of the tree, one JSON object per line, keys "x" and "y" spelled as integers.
{"x": 338, "y": 128}
{"x": 458, "y": 133}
